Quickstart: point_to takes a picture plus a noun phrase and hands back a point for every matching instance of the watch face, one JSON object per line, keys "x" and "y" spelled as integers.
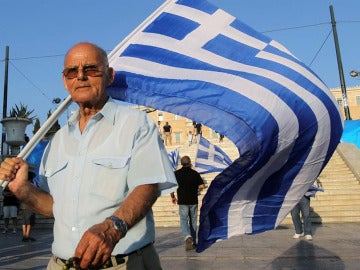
{"x": 119, "y": 225}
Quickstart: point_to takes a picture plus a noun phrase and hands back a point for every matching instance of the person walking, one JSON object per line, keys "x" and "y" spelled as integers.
{"x": 221, "y": 138}
{"x": 304, "y": 227}
{"x": 10, "y": 210}
{"x": 99, "y": 176}
{"x": 28, "y": 216}
{"x": 167, "y": 133}
{"x": 190, "y": 138}
{"x": 189, "y": 183}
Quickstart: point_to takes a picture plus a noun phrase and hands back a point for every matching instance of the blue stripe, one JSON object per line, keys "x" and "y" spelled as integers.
{"x": 243, "y": 28}
{"x": 182, "y": 25}
{"x": 239, "y": 52}
{"x": 200, "y": 5}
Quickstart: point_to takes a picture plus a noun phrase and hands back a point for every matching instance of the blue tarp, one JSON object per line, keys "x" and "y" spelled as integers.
{"x": 351, "y": 133}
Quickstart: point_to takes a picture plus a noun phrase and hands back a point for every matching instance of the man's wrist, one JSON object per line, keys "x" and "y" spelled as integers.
{"x": 119, "y": 225}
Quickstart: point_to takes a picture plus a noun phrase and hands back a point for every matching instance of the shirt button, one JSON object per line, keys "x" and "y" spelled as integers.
{"x": 73, "y": 229}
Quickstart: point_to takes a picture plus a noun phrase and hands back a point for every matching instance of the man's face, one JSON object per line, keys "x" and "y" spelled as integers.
{"x": 86, "y": 76}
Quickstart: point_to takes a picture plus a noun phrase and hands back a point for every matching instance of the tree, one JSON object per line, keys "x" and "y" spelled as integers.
{"x": 36, "y": 125}
{"x": 55, "y": 127}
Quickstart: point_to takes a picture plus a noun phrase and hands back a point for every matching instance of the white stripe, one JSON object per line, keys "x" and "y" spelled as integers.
{"x": 210, "y": 162}
{"x": 280, "y": 47}
{"x": 242, "y": 207}
{"x": 211, "y": 150}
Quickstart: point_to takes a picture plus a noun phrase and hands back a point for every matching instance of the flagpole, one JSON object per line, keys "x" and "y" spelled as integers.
{"x": 25, "y": 152}
{"x": 5, "y": 97}
{"x": 139, "y": 28}
{"x": 340, "y": 67}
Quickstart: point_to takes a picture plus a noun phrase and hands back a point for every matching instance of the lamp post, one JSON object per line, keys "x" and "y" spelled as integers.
{"x": 354, "y": 73}
{"x": 56, "y": 100}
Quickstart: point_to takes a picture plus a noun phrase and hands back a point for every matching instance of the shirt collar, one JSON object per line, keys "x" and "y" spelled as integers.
{"x": 108, "y": 112}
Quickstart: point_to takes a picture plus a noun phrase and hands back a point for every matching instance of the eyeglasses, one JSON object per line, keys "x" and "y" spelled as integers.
{"x": 88, "y": 70}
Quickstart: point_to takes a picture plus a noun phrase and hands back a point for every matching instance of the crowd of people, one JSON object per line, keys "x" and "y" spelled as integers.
{"x": 166, "y": 133}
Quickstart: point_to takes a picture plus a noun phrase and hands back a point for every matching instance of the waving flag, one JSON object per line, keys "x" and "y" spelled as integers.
{"x": 210, "y": 158}
{"x": 174, "y": 158}
{"x": 312, "y": 191}
{"x": 193, "y": 59}
{"x": 35, "y": 158}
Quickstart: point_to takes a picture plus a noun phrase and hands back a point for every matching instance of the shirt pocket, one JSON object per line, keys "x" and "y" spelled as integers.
{"x": 52, "y": 170}
{"x": 55, "y": 175}
{"x": 110, "y": 177}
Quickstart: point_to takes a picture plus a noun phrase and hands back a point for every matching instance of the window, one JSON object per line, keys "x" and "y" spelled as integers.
{"x": 177, "y": 137}
{"x": 339, "y": 101}
{"x": 357, "y": 100}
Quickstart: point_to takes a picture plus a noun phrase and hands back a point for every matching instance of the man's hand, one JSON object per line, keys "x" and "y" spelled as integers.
{"x": 96, "y": 244}
{"x": 14, "y": 170}
{"x": 173, "y": 198}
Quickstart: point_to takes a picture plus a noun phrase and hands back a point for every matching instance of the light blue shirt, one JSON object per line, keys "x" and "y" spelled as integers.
{"x": 90, "y": 174}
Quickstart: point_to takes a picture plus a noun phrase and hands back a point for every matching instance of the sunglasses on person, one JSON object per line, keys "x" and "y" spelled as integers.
{"x": 88, "y": 70}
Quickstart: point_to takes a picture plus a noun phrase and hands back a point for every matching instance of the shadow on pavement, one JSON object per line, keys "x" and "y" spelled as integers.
{"x": 305, "y": 255}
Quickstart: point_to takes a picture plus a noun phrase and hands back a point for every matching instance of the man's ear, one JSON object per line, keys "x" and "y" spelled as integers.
{"x": 65, "y": 82}
{"x": 111, "y": 76}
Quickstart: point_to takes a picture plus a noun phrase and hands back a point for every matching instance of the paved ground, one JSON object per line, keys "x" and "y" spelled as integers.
{"x": 335, "y": 246}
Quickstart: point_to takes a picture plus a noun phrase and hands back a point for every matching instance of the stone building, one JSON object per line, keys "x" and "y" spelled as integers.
{"x": 181, "y": 125}
{"x": 353, "y": 98}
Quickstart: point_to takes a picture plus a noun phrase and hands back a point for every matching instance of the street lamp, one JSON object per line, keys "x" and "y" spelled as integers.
{"x": 56, "y": 100}
{"x": 354, "y": 73}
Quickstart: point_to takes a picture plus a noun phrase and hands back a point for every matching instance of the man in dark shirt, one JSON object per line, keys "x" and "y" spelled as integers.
{"x": 167, "y": 132}
{"x": 189, "y": 182}
{"x": 10, "y": 209}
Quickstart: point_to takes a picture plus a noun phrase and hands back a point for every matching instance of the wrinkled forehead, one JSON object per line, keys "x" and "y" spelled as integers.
{"x": 83, "y": 54}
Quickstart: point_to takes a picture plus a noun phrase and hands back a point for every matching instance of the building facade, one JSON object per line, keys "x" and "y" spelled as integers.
{"x": 181, "y": 125}
{"x": 353, "y": 100}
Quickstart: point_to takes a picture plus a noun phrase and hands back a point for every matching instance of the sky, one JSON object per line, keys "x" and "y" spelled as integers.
{"x": 39, "y": 33}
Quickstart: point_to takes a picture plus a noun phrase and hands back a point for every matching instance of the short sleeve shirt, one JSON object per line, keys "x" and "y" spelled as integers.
{"x": 188, "y": 180}
{"x": 89, "y": 174}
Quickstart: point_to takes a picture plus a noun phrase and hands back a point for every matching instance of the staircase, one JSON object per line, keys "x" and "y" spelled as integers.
{"x": 339, "y": 203}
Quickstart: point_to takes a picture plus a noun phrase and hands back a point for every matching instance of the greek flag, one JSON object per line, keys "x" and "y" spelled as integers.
{"x": 210, "y": 158}
{"x": 312, "y": 191}
{"x": 193, "y": 59}
{"x": 174, "y": 158}
{"x": 35, "y": 158}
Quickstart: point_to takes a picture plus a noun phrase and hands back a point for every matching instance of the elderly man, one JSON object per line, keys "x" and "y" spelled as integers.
{"x": 101, "y": 173}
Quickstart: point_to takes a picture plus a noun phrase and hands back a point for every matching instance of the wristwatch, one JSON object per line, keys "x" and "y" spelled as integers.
{"x": 120, "y": 225}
